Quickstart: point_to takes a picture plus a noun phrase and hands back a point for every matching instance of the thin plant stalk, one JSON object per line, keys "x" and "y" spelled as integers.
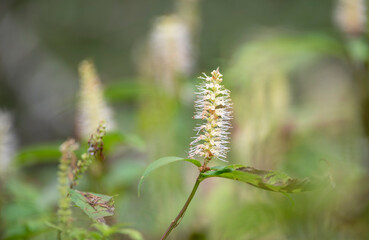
{"x": 214, "y": 107}
{"x": 176, "y": 221}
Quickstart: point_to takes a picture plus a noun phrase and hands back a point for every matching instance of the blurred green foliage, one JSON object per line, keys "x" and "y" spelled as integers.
{"x": 299, "y": 89}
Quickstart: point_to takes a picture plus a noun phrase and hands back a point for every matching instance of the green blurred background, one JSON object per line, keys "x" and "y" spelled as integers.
{"x": 298, "y": 74}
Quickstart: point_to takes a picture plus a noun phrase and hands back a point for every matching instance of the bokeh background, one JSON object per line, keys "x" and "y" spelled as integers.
{"x": 298, "y": 74}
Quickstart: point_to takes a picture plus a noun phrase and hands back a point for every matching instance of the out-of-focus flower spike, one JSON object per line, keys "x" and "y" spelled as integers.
{"x": 64, "y": 178}
{"x": 189, "y": 11}
{"x": 350, "y": 16}
{"x": 92, "y": 108}
{"x": 7, "y": 142}
{"x": 170, "y": 51}
{"x": 214, "y": 107}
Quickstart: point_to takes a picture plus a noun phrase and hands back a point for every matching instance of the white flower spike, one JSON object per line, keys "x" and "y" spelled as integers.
{"x": 92, "y": 107}
{"x": 214, "y": 107}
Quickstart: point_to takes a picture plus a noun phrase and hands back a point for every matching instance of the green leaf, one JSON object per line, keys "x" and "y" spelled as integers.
{"x": 47, "y": 223}
{"x": 113, "y": 140}
{"x": 38, "y": 154}
{"x": 127, "y": 89}
{"x": 161, "y": 162}
{"x": 268, "y": 180}
{"x": 136, "y": 141}
{"x": 123, "y": 173}
{"x": 104, "y": 229}
{"x": 132, "y": 233}
{"x": 94, "y": 205}
{"x": 358, "y": 49}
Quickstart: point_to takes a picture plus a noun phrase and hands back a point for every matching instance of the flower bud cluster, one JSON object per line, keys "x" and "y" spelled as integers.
{"x": 70, "y": 170}
{"x": 214, "y": 107}
{"x": 64, "y": 212}
{"x": 95, "y": 151}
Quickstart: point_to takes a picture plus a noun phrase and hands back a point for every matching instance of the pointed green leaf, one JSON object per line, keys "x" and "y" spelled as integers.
{"x": 268, "y": 180}
{"x": 94, "y": 205}
{"x": 161, "y": 162}
{"x": 47, "y": 223}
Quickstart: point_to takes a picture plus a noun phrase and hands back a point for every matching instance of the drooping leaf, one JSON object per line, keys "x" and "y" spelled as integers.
{"x": 268, "y": 180}
{"x": 96, "y": 206}
{"x": 161, "y": 162}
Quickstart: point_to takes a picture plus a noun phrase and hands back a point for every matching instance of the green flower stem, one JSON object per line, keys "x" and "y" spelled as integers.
{"x": 175, "y": 222}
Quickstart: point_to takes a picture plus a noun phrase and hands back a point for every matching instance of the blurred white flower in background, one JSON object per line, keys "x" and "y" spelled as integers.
{"x": 350, "y": 16}
{"x": 170, "y": 51}
{"x": 7, "y": 142}
{"x": 91, "y": 108}
{"x": 42, "y": 83}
